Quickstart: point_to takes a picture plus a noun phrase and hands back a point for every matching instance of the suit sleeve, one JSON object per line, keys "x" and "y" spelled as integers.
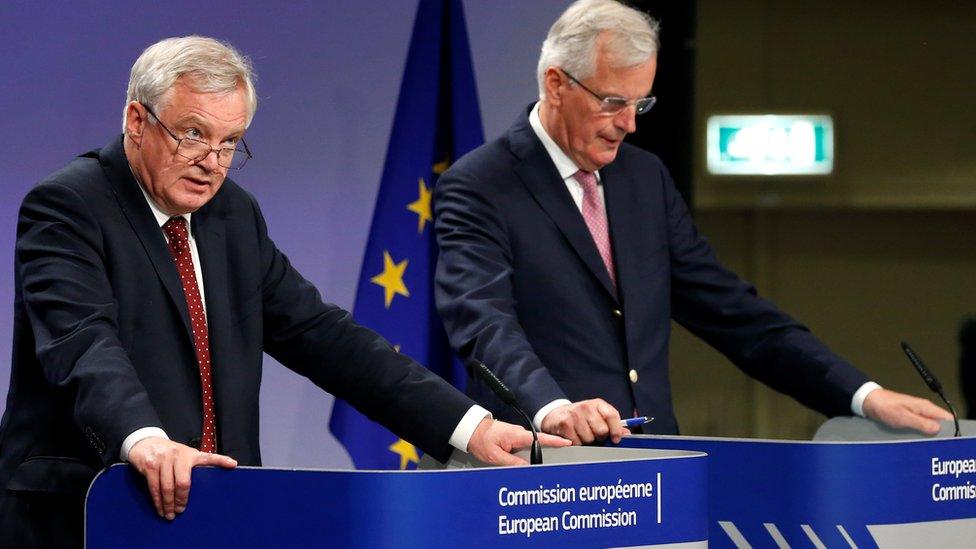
{"x": 716, "y": 305}
{"x": 321, "y": 341}
{"x": 73, "y": 315}
{"x": 473, "y": 290}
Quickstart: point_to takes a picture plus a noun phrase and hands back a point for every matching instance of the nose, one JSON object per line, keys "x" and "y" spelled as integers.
{"x": 626, "y": 119}
{"x": 209, "y": 162}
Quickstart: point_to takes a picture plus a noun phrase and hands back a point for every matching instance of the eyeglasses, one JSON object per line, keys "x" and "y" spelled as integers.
{"x": 610, "y": 105}
{"x": 195, "y": 150}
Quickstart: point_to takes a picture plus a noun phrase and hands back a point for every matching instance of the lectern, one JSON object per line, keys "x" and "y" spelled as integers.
{"x": 858, "y": 484}
{"x": 582, "y": 497}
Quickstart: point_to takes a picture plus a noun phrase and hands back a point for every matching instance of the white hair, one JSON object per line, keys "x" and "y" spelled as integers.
{"x": 211, "y": 66}
{"x": 631, "y": 38}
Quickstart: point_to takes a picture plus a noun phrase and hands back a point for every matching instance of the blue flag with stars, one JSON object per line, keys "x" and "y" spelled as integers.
{"x": 437, "y": 120}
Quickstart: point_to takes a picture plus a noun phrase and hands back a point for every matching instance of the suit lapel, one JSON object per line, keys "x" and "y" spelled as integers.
{"x": 209, "y": 227}
{"x": 209, "y": 233}
{"x": 540, "y": 176}
{"x": 143, "y": 223}
{"x": 624, "y": 222}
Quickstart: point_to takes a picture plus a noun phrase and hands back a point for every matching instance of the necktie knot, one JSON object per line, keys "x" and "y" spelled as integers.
{"x": 587, "y": 180}
{"x": 175, "y": 230}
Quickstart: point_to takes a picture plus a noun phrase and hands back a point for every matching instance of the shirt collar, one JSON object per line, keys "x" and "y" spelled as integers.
{"x": 564, "y": 164}
{"x": 161, "y": 216}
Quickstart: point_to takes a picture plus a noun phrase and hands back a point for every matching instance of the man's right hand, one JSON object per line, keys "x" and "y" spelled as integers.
{"x": 585, "y": 421}
{"x": 898, "y": 411}
{"x": 167, "y": 466}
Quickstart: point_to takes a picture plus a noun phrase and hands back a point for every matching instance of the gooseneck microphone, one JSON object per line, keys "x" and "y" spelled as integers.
{"x": 930, "y": 380}
{"x": 506, "y": 394}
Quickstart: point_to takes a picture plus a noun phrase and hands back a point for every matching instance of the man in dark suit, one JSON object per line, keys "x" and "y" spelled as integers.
{"x": 565, "y": 253}
{"x": 147, "y": 291}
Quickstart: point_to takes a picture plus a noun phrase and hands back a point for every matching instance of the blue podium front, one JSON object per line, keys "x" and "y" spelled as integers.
{"x": 769, "y": 493}
{"x": 626, "y": 502}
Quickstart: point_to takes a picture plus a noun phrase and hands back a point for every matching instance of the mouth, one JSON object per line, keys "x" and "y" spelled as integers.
{"x": 197, "y": 183}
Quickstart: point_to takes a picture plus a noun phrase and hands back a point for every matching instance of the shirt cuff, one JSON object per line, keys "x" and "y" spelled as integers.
{"x": 137, "y": 436}
{"x": 544, "y": 411}
{"x": 857, "y": 403}
{"x": 465, "y": 428}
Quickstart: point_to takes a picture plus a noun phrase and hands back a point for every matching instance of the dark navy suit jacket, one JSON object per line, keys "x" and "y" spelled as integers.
{"x": 102, "y": 342}
{"x": 521, "y": 287}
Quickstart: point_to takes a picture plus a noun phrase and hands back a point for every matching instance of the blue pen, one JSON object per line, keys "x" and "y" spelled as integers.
{"x": 635, "y": 421}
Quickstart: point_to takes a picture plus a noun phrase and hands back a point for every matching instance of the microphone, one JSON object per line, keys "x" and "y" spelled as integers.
{"x": 508, "y": 397}
{"x": 930, "y": 380}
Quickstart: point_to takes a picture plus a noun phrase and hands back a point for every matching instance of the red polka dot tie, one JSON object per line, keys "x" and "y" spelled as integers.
{"x": 595, "y": 216}
{"x": 179, "y": 245}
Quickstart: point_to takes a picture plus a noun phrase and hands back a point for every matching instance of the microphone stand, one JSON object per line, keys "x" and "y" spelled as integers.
{"x": 506, "y": 394}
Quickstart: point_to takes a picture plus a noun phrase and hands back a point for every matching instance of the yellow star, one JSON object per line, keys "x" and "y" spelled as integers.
{"x": 391, "y": 279}
{"x": 421, "y": 206}
{"x": 406, "y": 451}
{"x": 441, "y": 166}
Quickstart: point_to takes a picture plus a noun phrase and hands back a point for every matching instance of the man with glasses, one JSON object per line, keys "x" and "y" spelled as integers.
{"x": 565, "y": 253}
{"x": 147, "y": 289}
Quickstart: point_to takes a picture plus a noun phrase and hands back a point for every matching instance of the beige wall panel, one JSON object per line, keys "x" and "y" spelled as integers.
{"x": 862, "y": 281}
{"x": 898, "y": 78}
{"x": 712, "y": 397}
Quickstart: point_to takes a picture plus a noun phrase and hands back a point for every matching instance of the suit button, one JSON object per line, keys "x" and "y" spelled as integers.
{"x": 194, "y": 443}
{"x": 633, "y": 376}
{"x": 618, "y": 313}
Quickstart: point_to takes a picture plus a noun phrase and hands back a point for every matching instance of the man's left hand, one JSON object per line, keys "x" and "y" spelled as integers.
{"x": 898, "y": 410}
{"x": 493, "y": 442}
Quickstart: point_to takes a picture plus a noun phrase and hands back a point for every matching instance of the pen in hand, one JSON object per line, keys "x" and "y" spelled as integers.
{"x": 635, "y": 421}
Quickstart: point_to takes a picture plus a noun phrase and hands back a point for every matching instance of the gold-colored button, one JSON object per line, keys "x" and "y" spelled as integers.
{"x": 618, "y": 313}
{"x": 633, "y": 376}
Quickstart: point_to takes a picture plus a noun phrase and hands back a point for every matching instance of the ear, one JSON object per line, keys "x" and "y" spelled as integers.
{"x": 135, "y": 121}
{"x": 554, "y": 82}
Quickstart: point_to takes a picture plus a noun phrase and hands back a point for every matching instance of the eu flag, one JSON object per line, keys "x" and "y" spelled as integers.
{"x": 436, "y": 122}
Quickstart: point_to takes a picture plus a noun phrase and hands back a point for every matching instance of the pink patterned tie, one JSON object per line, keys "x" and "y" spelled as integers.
{"x": 595, "y": 216}
{"x": 179, "y": 245}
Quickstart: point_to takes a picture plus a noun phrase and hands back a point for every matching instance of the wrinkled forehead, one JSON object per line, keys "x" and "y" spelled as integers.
{"x": 197, "y": 87}
{"x": 226, "y": 105}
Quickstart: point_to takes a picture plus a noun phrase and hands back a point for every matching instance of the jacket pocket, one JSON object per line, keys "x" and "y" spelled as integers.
{"x": 62, "y": 475}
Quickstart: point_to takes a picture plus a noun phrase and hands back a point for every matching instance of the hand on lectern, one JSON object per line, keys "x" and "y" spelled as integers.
{"x": 167, "y": 466}
{"x": 494, "y": 441}
{"x": 585, "y": 421}
{"x": 899, "y": 411}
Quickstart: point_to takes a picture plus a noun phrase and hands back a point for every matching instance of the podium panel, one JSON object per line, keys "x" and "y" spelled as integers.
{"x": 905, "y": 493}
{"x": 634, "y": 498}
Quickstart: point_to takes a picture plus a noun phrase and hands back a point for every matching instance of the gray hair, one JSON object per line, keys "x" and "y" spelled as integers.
{"x": 631, "y": 39}
{"x": 211, "y": 65}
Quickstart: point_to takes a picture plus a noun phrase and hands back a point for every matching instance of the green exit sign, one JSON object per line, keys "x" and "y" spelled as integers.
{"x": 768, "y": 144}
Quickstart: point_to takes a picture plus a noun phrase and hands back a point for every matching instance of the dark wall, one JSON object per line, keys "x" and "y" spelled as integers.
{"x": 667, "y": 129}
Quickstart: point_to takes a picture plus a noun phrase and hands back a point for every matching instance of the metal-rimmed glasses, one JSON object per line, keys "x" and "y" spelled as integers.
{"x": 195, "y": 150}
{"x": 611, "y": 105}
